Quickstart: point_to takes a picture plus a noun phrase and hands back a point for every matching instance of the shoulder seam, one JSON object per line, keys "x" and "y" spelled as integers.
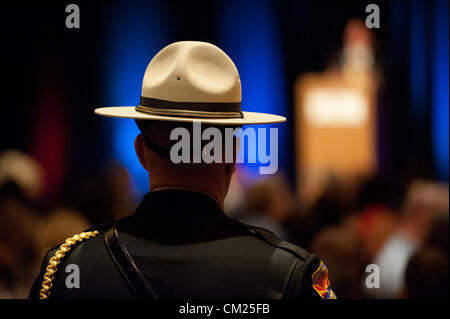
{"x": 278, "y": 243}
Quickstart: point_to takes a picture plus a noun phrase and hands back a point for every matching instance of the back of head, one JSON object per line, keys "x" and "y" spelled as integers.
{"x": 201, "y": 166}
{"x": 160, "y": 137}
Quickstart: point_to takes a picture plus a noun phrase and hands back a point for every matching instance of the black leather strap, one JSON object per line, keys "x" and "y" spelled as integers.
{"x": 128, "y": 269}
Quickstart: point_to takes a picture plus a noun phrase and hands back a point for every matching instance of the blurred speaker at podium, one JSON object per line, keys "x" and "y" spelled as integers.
{"x": 335, "y": 115}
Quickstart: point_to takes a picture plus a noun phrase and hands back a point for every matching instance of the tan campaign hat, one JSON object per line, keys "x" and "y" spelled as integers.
{"x": 191, "y": 81}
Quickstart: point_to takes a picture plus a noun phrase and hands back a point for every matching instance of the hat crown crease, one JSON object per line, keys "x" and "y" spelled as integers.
{"x": 191, "y": 71}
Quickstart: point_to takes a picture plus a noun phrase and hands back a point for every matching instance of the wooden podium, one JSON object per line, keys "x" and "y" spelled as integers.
{"x": 335, "y": 131}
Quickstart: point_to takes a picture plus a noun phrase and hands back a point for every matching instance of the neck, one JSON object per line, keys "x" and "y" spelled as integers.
{"x": 208, "y": 180}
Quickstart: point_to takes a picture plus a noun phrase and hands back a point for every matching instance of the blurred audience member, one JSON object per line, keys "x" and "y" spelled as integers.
{"x": 20, "y": 186}
{"x": 122, "y": 189}
{"x": 329, "y": 209}
{"x": 423, "y": 202}
{"x": 426, "y": 274}
{"x": 270, "y": 203}
{"x": 21, "y": 169}
{"x": 59, "y": 225}
{"x": 379, "y": 206}
{"x": 101, "y": 196}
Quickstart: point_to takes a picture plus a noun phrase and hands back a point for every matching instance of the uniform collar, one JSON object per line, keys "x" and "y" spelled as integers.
{"x": 178, "y": 203}
{"x": 162, "y": 188}
{"x": 177, "y": 216}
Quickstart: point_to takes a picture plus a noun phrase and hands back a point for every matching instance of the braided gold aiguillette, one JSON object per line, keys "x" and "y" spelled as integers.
{"x": 52, "y": 267}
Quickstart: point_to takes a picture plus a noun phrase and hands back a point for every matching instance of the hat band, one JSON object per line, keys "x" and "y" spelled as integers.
{"x": 189, "y": 109}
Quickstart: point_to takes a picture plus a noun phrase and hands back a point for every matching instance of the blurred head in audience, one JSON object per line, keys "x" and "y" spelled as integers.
{"x": 330, "y": 208}
{"x": 378, "y": 205}
{"x": 424, "y": 203}
{"x": 59, "y": 225}
{"x": 271, "y": 198}
{"x": 20, "y": 186}
{"x": 103, "y": 195}
{"x": 24, "y": 171}
{"x": 270, "y": 203}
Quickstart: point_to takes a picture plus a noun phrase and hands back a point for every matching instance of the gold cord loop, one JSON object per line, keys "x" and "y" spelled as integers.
{"x": 52, "y": 267}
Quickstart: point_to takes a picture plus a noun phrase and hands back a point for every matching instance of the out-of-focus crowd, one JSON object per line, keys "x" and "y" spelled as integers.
{"x": 32, "y": 222}
{"x": 380, "y": 239}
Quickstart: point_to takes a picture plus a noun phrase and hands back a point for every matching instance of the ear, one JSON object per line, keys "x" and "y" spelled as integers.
{"x": 139, "y": 148}
{"x": 230, "y": 167}
{"x": 237, "y": 146}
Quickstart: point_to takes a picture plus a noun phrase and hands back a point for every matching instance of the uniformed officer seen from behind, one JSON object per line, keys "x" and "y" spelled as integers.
{"x": 179, "y": 243}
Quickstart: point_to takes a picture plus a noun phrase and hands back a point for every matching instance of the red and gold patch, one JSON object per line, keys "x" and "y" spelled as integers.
{"x": 321, "y": 284}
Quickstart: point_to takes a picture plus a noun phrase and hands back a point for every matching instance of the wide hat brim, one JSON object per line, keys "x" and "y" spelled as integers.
{"x": 248, "y": 117}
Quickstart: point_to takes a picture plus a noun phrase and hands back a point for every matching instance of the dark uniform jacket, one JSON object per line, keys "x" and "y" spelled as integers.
{"x": 186, "y": 247}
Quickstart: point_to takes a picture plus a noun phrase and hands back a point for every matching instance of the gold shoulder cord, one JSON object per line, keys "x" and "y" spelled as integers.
{"x": 52, "y": 267}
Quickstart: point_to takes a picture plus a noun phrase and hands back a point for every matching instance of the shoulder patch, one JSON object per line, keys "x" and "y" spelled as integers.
{"x": 321, "y": 284}
{"x": 53, "y": 263}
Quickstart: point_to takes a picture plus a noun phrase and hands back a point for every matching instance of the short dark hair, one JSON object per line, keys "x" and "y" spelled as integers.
{"x": 163, "y": 149}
